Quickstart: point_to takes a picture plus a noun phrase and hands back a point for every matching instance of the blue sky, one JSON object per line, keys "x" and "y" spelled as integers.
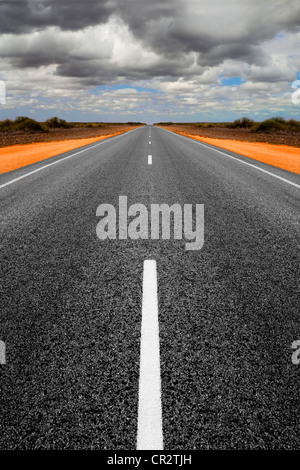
{"x": 231, "y": 81}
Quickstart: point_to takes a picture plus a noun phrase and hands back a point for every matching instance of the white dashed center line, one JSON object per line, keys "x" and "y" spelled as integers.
{"x": 150, "y": 434}
{"x": 2, "y": 353}
{"x": 149, "y": 159}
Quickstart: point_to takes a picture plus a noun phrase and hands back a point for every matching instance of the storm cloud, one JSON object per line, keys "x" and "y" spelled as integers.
{"x": 23, "y": 16}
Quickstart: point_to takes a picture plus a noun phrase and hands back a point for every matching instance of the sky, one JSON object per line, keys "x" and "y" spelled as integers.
{"x": 149, "y": 60}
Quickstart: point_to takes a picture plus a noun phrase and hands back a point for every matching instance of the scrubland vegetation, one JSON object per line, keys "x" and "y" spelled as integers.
{"x": 26, "y": 124}
{"x": 274, "y": 124}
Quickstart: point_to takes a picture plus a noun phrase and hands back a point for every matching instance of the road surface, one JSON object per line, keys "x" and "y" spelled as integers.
{"x": 71, "y": 308}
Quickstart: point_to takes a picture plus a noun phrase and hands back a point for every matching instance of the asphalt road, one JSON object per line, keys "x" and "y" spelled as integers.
{"x": 71, "y": 303}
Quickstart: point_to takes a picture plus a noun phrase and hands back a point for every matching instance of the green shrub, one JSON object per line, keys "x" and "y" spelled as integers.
{"x": 6, "y": 125}
{"x": 271, "y": 125}
{"x": 293, "y": 125}
{"x": 244, "y": 123}
{"x": 277, "y": 124}
{"x": 23, "y": 123}
{"x": 20, "y": 119}
{"x": 55, "y": 123}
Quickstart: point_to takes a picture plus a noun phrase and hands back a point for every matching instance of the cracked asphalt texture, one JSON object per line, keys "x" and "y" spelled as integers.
{"x": 71, "y": 304}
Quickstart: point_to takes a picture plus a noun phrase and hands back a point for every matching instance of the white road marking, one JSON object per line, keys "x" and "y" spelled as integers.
{"x": 149, "y": 142}
{"x": 150, "y": 434}
{"x": 237, "y": 159}
{"x": 2, "y": 353}
{"x": 61, "y": 160}
{"x": 149, "y": 159}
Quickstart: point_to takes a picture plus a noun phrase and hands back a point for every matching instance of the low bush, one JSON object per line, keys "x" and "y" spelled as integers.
{"x": 164, "y": 123}
{"x": 130, "y": 123}
{"x": 23, "y": 123}
{"x": 244, "y": 123}
{"x": 277, "y": 124}
{"x": 56, "y": 123}
{"x": 6, "y": 125}
{"x": 206, "y": 125}
{"x": 94, "y": 125}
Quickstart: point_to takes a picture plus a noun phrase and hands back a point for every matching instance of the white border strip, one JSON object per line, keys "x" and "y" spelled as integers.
{"x": 150, "y": 434}
{"x": 234, "y": 158}
{"x": 108, "y": 139}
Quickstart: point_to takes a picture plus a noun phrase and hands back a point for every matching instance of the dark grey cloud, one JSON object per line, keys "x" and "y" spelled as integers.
{"x": 180, "y": 33}
{"x": 252, "y": 55}
{"x": 92, "y": 73}
{"x": 22, "y": 16}
{"x": 199, "y": 25}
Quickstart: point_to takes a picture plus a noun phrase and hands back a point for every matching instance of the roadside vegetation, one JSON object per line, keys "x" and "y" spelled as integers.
{"x": 21, "y": 123}
{"x": 270, "y": 125}
{"x": 26, "y": 124}
{"x": 275, "y": 124}
{"x": 24, "y": 130}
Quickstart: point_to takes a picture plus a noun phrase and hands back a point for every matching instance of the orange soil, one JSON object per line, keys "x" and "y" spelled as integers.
{"x": 17, "y": 156}
{"x": 281, "y": 156}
